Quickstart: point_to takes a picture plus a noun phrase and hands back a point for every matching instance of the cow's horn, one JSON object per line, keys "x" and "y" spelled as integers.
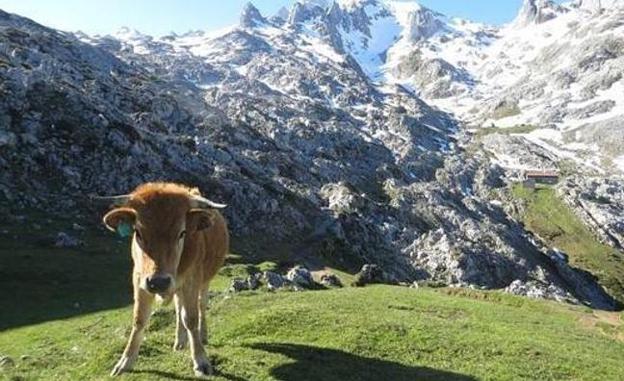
{"x": 202, "y": 202}
{"x": 115, "y": 200}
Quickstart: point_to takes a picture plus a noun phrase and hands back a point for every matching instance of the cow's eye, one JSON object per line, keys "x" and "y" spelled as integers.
{"x": 182, "y": 234}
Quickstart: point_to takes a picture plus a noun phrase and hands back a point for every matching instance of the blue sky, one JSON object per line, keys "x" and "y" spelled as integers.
{"x": 159, "y": 17}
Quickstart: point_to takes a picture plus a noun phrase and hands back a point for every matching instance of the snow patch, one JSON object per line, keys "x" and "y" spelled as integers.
{"x": 619, "y": 163}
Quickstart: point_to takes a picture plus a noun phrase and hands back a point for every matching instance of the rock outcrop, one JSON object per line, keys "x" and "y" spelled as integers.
{"x": 537, "y": 12}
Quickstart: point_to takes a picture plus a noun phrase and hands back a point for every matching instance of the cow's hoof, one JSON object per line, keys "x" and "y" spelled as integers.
{"x": 203, "y": 369}
{"x": 123, "y": 365}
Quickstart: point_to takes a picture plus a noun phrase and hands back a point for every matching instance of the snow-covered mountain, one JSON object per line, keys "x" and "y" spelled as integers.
{"x": 562, "y": 73}
{"x": 557, "y": 67}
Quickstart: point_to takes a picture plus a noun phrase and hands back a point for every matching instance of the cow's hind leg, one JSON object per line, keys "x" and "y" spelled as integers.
{"x": 142, "y": 307}
{"x": 190, "y": 318}
{"x": 181, "y": 338}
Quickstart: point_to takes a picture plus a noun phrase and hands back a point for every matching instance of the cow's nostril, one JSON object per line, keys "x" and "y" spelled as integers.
{"x": 158, "y": 283}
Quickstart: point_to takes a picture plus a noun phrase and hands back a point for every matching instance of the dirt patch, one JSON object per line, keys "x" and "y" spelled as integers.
{"x": 608, "y": 323}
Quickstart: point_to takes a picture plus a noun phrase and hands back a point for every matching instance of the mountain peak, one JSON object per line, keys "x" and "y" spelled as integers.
{"x": 536, "y": 12}
{"x": 351, "y": 4}
{"x": 304, "y": 10}
{"x": 314, "y": 3}
{"x": 129, "y": 34}
{"x": 281, "y": 16}
{"x": 424, "y": 23}
{"x": 251, "y": 16}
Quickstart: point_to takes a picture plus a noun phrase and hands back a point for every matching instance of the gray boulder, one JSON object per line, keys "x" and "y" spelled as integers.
{"x": 300, "y": 277}
{"x": 273, "y": 280}
{"x": 538, "y": 290}
{"x": 330, "y": 280}
{"x": 369, "y": 274}
{"x": 238, "y": 285}
{"x": 253, "y": 281}
{"x": 64, "y": 240}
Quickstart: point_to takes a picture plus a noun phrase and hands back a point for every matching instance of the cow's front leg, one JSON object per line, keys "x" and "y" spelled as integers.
{"x": 142, "y": 307}
{"x": 181, "y": 338}
{"x": 203, "y": 305}
{"x": 190, "y": 318}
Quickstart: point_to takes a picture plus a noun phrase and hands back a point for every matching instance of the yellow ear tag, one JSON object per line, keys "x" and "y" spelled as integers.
{"x": 124, "y": 229}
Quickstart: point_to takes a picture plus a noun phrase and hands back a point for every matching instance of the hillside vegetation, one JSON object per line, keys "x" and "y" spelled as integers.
{"x": 68, "y": 313}
{"x": 374, "y": 333}
{"x": 520, "y": 129}
{"x": 547, "y": 216}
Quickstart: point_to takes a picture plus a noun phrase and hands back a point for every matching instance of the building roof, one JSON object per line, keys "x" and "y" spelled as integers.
{"x": 541, "y": 173}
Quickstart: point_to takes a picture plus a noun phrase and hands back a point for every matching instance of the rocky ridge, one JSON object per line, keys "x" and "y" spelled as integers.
{"x": 557, "y": 66}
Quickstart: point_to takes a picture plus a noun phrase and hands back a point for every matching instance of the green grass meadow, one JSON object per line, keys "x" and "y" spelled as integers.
{"x": 65, "y": 315}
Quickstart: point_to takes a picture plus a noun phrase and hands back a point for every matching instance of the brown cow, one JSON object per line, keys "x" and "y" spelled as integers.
{"x": 179, "y": 243}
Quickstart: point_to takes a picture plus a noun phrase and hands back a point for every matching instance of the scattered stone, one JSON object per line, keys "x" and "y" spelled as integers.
{"x": 273, "y": 280}
{"x": 253, "y": 281}
{"x": 66, "y": 241}
{"x": 238, "y": 285}
{"x": 330, "y": 280}
{"x": 301, "y": 277}
{"x": 558, "y": 255}
{"x": 538, "y": 290}
{"x": 370, "y": 273}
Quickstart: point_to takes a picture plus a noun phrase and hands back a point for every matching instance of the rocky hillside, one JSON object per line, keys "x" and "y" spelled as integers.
{"x": 558, "y": 67}
{"x": 287, "y": 120}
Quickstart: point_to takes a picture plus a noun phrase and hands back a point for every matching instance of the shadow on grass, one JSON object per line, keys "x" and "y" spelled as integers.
{"x": 313, "y": 363}
{"x": 41, "y": 282}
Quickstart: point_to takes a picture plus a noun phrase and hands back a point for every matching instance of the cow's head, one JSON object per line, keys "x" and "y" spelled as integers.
{"x": 162, "y": 218}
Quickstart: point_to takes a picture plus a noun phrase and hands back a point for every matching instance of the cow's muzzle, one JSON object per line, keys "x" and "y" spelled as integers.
{"x": 158, "y": 283}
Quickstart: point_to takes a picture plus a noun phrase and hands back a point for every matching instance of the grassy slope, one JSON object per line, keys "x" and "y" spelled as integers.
{"x": 547, "y": 216}
{"x": 68, "y": 311}
{"x": 49, "y": 283}
{"x": 373, "y": 333}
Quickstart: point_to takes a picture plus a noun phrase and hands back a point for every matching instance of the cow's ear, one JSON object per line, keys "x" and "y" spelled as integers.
{"x": 120, "y": 220}
{"x": 200, "y": 219}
